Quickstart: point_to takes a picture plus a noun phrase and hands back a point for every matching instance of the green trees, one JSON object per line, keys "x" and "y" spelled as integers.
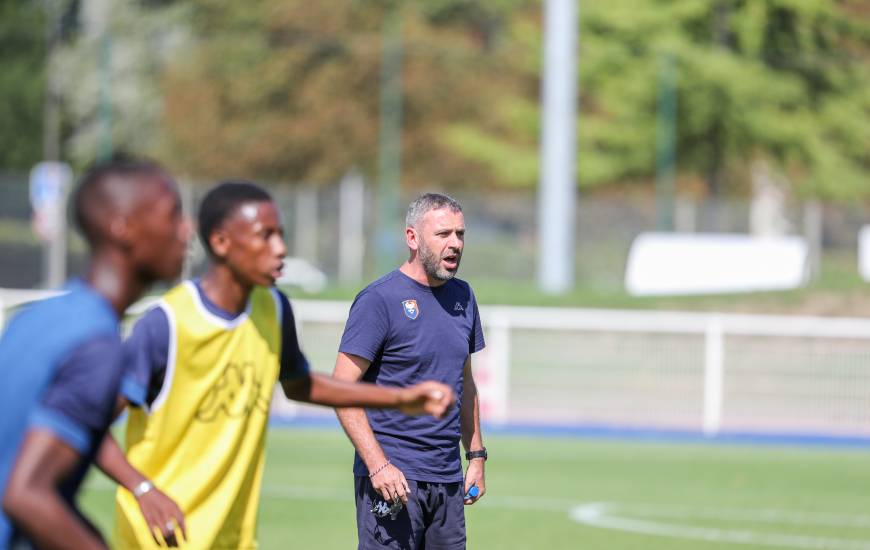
{"x": 781, "y": 81}
{"x": 289, "y": 89}
{"x": 286, "y": 89}
{"x": 22, "y": 58}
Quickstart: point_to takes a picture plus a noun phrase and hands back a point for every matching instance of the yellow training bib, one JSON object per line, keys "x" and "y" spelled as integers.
{"x": 202, "y": 440}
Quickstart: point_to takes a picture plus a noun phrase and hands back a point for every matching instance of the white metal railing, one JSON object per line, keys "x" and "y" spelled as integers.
{"x": 732, "y": 371}
{"x": 713, "y": 329}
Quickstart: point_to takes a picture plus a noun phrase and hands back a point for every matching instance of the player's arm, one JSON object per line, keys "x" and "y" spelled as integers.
{"x": 74, "y": 408}
{"x": 32, "y": 500}
{"x": 425, "y": 398}
{"x": 145, "y": 355}
{"x": 386, "y": 479}
{"x": 472, "y": 437}
{"x": 161, "y": 513}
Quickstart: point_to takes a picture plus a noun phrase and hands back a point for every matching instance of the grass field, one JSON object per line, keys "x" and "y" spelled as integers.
{"x": 579, "y": 493}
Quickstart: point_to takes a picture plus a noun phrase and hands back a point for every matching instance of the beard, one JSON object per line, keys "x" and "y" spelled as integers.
{"x": 432, "y": 263}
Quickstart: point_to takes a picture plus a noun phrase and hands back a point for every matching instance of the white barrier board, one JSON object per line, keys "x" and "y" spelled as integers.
{"x": 661, "y": 264}
{"x": 864, "y": 252}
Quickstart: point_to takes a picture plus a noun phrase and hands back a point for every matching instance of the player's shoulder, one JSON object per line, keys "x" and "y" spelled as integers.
{"x": 385, "y": 282}
{"x": 462, "y": 284}
{"x": 154, "y": 317}
{"x": 383, "y": 286}
{"x": 268, "y": 294}
{"x": 280, "y": 298}
{"x": 183, "y": 292}
{"x": 96, "y": 353}
{"x": 78, "y": 311}
{"x": 461, "y": 287}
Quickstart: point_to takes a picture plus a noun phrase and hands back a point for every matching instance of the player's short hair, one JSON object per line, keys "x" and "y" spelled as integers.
{"x": 426, "y": 202}
{"x": 222, "y": 201}
{"x": 92, "y": 198}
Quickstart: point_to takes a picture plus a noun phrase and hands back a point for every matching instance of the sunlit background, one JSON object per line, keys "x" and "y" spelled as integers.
{"x": 677, "y": 187}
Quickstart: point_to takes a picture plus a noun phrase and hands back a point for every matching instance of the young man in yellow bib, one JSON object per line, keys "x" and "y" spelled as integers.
{"x": 202, "y": 365}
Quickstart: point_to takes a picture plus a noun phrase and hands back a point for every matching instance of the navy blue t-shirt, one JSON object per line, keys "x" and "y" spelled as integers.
{"x": 412, "y": 332}
{"x": 147, "y": 349}
{"x": 60, "y": 362}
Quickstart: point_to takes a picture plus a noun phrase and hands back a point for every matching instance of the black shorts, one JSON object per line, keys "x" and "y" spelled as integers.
{"x": 434, "y": 518}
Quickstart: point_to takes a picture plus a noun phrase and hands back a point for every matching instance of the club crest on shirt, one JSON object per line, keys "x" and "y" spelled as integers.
{"x": 411, "y": 309}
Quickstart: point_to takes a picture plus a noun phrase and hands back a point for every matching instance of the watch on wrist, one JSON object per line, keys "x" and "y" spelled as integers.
{"x": 142, "y": 487}
{"x": 476, "y": 454}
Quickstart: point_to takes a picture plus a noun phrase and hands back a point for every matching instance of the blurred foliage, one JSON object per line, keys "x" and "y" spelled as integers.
{"x": 112, "y": 67}
{"x": 784, "y": 81}
{"x": 769, "y": 79}
{"x": 286, "y": 89}
{"x": 289, "y": 90}
{"x": 22, "y": 56}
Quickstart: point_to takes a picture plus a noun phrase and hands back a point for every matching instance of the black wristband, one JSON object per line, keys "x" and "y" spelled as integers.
{"x": 476, "y": 454}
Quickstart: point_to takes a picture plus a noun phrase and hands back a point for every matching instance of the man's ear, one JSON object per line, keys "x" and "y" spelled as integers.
{"x": 219, "y": 241}
{"x": 412, "y": 238}
{"x": 120, "y": 232}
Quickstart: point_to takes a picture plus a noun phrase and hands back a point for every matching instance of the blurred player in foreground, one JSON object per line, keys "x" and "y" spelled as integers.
{"x": 204, "y": 364}
{"x": 61, "y": 359}
{"x": 417, "y": 321}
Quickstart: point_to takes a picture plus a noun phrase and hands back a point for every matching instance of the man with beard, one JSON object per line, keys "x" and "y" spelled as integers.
{"x": 417, "y": 322}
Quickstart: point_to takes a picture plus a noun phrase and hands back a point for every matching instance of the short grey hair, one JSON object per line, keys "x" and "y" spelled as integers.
{"x": 426, "y": 202}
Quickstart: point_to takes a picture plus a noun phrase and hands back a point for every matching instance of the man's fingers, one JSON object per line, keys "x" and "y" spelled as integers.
{"x": 439, "y": 399}
{"x": 182, "y": 526}
{"x": 436, "y": 409}
{"x": 405, "y": 491}
{"x": 154, "y": 530}
{"x": 396, "y": 491}
{"x": 400, "y": 494}
{"x": 168, "y": 530}
{"x": 393, "y": 491}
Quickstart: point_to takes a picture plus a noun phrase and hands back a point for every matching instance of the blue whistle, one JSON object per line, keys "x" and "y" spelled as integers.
{"x": 472, "y": 492}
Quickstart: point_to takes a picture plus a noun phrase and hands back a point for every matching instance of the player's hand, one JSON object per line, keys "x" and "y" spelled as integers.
{"x": 162, "y": 516}
{"x": 474, "y": 476}
{"x": 391, "y": 484}
{"x": 426, "y": 398}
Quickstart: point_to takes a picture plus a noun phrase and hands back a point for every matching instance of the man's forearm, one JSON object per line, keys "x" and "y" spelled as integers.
{"x": 356, "y": 426}
{"x": 320, "y": 389}
{"x": 48, "y": 521}
{"x": 469, "y": 413}
{"x": 339, "y": 393}
{"x": 32, "y": 499}
{"x": 349, "y": 369}
{"x": 112, "y": 462}
{"x": 472, "y": 438}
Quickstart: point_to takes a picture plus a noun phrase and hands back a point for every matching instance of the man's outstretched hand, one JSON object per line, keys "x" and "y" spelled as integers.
{"x": 426, "y": 398}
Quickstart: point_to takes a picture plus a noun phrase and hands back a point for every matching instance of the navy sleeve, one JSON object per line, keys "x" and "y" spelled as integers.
{"x": 78, "y": 404}
{"x": 293, "y": 361}
{"x": 145, "y": 356}
{"x": 477, "y": 342}
{"x": 367, "y": 327}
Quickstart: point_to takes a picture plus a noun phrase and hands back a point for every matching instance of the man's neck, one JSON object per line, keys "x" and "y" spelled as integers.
{"x": 110, "y": 275}
{"x": 225, "y": 290}
{"x": 415, "y": 270}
